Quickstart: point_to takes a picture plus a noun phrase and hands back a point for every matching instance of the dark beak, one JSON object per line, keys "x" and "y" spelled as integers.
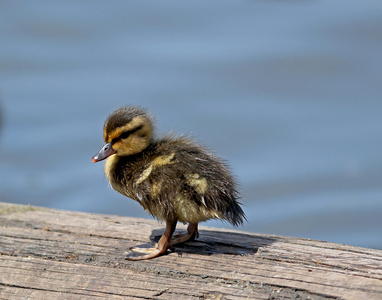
{"x": 105, "y": 152}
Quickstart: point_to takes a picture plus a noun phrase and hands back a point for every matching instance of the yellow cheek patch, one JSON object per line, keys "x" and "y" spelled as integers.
{"x": 157, "y": 162}
{"x": 197, "y": 182}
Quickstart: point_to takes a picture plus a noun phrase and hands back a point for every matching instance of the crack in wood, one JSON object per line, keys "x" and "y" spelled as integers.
{"x": 160, "y": 293}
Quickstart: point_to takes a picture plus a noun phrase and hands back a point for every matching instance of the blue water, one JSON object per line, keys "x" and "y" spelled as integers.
{"x": 289, "y": 92}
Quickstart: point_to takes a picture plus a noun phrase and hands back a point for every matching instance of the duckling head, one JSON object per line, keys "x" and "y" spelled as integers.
{"x": 127, "y": 131}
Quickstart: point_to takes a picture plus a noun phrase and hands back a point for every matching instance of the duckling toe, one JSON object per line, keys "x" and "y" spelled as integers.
{"x": 145, "y": 251}
{"x": 151, "y": 253}
{"x": 144, "y": 248}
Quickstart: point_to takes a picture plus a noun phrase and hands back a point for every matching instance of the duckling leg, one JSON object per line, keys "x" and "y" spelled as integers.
{"x": 192, "y": 233}
{"x": 160, "y": 248}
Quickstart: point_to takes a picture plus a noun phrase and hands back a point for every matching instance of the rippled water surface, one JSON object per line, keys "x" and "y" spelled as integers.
{"x": 289, "y": 92}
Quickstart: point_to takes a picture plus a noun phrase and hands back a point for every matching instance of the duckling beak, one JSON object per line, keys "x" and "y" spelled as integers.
{"x": 105, "y": 152}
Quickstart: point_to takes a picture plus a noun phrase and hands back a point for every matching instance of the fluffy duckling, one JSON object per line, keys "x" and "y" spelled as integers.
{"x": 171, "y": 177}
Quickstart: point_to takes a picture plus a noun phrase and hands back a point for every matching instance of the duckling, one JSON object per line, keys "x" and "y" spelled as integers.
{"x": 172, "y": 178}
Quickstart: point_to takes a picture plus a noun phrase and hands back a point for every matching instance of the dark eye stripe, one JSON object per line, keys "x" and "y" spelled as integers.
{"x": 126, "y": 134}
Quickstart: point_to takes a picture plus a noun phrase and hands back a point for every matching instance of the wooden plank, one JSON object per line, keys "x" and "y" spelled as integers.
{"x": 47, "y": 254}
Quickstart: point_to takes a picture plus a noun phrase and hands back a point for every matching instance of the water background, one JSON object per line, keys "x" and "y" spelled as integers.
{"x": 289, "y": 92}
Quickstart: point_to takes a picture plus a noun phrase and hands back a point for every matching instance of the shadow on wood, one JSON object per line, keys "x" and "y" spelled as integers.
{"x": 209, "y": 244}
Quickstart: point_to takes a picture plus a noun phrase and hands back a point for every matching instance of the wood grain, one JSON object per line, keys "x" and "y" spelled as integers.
{"x": 54, "y": 254}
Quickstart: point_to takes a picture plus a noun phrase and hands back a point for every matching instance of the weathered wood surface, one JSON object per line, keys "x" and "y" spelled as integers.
{"x": 52, "y": 254}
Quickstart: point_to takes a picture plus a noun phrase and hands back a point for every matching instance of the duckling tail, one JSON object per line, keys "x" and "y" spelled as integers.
{"x": 235, "y": 215}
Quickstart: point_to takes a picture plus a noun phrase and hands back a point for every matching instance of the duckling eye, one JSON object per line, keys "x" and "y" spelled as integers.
{"x": 126, "y": 134}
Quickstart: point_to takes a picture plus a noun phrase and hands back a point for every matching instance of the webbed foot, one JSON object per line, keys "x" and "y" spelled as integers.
{"x": 192, "y": 233}
{"x": 147, "y": 251}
